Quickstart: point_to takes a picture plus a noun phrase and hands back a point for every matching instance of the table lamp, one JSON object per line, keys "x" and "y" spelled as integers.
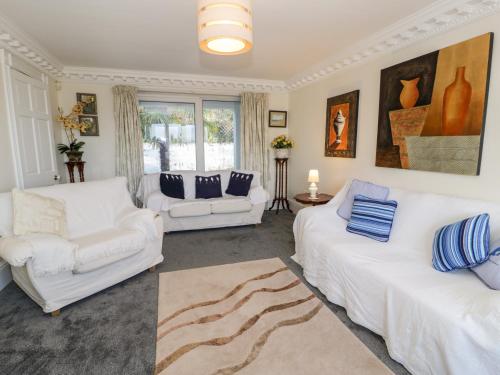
{"x": 313, "y": 188}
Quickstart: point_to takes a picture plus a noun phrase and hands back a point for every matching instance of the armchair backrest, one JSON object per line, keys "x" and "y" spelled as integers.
{"x": 90, "y": 206}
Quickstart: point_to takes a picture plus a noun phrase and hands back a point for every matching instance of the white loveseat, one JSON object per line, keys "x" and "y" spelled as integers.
{"x": 113, "y": 240}
{"x": 191, "y": 213}
{"x": 432, "y": 322}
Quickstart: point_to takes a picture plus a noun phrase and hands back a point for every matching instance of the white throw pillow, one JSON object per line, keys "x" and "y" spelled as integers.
{"x": 34, "y": 213}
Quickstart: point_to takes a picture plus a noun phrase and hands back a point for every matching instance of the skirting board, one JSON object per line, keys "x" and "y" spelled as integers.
{"x": 5, "y": 275}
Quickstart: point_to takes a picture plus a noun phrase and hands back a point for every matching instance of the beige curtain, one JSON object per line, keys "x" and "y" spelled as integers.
{"x": 254, "y": 142}
{"x": 129, "y": 150}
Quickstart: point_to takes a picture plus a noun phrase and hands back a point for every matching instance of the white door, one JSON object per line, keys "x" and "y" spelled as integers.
{"x": 34, "y": 133}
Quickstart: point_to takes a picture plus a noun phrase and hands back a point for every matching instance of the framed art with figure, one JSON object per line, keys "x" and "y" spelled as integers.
{"x": 341, "y": 125}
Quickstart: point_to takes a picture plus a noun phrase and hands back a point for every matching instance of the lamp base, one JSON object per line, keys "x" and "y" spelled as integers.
{"x": 313, "y": 189}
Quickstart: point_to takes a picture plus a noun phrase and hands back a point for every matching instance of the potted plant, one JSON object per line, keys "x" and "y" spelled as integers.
{"x": 282, "y": 145}
{"x": 70, "y": 123}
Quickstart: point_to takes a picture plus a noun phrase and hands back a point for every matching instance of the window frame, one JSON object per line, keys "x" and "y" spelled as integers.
{"x": 197, "y": 100}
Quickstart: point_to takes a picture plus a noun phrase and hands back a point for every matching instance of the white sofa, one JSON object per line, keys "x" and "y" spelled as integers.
{"x": 191, "y": 213}
{"x": 113, "y": 241}
{"x": 432, "y": 322}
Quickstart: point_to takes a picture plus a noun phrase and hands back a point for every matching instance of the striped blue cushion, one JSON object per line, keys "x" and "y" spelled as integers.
{"x": 462, "y": 245}
{"x": 372, "y": 217}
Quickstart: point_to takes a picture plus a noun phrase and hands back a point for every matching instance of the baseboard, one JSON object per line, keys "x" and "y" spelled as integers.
{"x": 5, "y": 275}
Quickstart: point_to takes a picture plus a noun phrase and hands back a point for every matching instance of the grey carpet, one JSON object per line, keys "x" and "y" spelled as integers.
{"x": 113, "y": 332}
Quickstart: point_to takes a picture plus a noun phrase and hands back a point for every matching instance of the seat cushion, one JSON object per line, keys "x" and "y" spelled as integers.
{"x": 106, "y": 247}
{"x": 208, "y": 187}
{"x": 190, "y": 208}
{"x": 361, "y": 188}
{"x": 239, "y": 184}
{"x": 489, "y": 271}
{"x": 464, "y": 244}
{"x": 172, "y": 185}
{"x": 34, "y": 213}
{"x": 230, "y": 205}
{"x": 372, "y": 218}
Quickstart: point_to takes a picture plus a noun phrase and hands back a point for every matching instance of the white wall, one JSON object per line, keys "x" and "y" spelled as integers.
{"x": 99, "y": 152}
{"x": 277, "y": 102}
{"x": 307, "y": 126}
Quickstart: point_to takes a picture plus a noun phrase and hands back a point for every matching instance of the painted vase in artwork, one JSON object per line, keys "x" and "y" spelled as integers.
{"x": 338, "y": 126}
{"x": 410, "y": 94}
{"x": 456, "y": 103}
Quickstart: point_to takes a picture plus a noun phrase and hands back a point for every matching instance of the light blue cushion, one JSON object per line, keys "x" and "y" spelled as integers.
{"x": 364, "y": 188}
{"x": 464, "y": 244}
{"x": 489, "y": 271}
{"x": 372, "y": 217}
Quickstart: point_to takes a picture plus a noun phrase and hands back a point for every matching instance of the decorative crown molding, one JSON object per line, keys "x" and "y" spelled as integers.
{"x": 432, "y": 20}
{"x": 19, "y": 43}
{"x": 172, "y": 81}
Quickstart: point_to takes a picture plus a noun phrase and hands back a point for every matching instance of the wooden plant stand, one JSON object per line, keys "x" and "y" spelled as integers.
{"x": 281, "y": 185}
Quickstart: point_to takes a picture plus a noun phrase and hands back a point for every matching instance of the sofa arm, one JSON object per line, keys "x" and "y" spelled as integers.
{"x": 258, "y": 195}
{"x": 49, "y": 253}
{"x": 15, "y": 251}
{"x": 142, "y": 220}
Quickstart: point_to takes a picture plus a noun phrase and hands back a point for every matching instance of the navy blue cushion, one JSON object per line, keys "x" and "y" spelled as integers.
{"x": 208, "y": 187}
{"x": 172, "y": 185}
{"x": 464, "y": 244}
{"x": 239, "y": 184}
{"x": 372, "y": 217}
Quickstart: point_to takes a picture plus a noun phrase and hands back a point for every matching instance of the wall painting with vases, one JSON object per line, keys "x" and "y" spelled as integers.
{"x": 433, "y": 108}
{"x": 341, "y": 125}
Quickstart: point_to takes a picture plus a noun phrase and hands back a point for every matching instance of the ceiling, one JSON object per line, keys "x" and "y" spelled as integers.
{"x": 160, "y": 35}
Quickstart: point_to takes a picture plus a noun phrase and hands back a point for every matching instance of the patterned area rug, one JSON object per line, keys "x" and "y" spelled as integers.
{"x": 252, "y": 318}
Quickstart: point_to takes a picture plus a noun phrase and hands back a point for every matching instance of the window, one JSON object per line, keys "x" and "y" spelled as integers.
{"x": 221, "y": 122}
{"x": 189, "y": 134}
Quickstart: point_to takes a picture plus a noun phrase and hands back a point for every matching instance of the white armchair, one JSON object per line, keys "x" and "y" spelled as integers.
{"x": 109, "y": 240}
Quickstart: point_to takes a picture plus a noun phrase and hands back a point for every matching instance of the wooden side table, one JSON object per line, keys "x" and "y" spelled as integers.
{"x": 280, "y": 188}
{"x": 322, "y": 199}
{"x": 80, "y": 165}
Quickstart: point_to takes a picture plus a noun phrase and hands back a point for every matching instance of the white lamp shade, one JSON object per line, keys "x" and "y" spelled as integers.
{"x": 225, "y": 26}
{"x": 313, "y": 176}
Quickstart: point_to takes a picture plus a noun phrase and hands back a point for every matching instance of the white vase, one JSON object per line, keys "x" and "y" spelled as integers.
{"x": 281, "y": 153}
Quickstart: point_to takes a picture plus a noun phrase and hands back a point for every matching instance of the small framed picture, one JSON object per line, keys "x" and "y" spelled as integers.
{"x": 92, "y": 126}
{"x": 277, "y": 119}
{"x": 89, "y": 103}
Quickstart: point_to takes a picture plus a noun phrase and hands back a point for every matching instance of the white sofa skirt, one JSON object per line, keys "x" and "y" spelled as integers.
{"x": 254, "y": 216}
{"x": 54, "y": 292}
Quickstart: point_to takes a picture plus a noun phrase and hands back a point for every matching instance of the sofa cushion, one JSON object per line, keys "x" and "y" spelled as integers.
{"x": 361, "y": 188}
{"x": 489, "y": 271}
{"x": 239, "y": 184}
{"x": 463, "y": 244}
{"x": 208, "y": 187}
{"x": 190, "y": 208}
{"x": 102, "y": 248}
{"x": 372, "y": 218}
{"x": 34, "y": 213}
{"x": 230, "y": 205}
{"x": 172, "y": 185}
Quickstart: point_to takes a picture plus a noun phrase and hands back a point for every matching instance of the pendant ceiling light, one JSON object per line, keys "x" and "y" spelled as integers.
{"x": 225, "y": 26}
